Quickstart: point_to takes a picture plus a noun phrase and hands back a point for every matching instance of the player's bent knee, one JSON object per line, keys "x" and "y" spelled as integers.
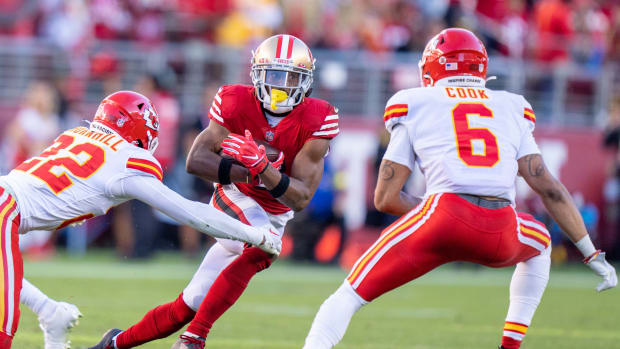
{"x": 5, "y": 341}
{"x": 254, "y": 255}
{"x": 231, "y": 246}
{"x": 182, "y": 312}
{"x": 192, "y": 299}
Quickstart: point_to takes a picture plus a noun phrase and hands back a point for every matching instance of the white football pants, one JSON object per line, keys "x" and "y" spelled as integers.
{"x": 224, "y": 251}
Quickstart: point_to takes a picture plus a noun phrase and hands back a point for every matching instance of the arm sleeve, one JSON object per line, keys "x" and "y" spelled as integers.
{"x": 396, "y": 109}
{"x": 528, "y": 144}
{"x": 143, "y": 165}
{"x": 215, "y": 113}
{"x": 195, "y": 214}
{"x": 328, "y": 128}
{"x": 399, "y": 149}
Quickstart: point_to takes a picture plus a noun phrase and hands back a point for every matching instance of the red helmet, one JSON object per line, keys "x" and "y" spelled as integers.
{"x": 453, "y": 52}
{"x": 132, "y": 116}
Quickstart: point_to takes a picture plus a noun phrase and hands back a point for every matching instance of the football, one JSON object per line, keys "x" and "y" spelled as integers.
{"x": 271, "y": 151}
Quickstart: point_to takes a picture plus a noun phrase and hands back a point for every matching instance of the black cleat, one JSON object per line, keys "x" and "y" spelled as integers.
{"x": 106, "y": 340}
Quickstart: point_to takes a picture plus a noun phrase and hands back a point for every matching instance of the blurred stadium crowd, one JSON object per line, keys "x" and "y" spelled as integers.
{"x": 588, "y": 30}
{"x": 548, "y": 32}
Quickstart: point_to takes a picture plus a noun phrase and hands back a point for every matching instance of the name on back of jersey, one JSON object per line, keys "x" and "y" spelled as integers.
{"x": 466, "y": 92}
{"x": 110, "y": 140}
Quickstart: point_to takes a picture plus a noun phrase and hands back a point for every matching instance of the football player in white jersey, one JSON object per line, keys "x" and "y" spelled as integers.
{"x": 85, "y": 173}
{"x": 470, "y": 142}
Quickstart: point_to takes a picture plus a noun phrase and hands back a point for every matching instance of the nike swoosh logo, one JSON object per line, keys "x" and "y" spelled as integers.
{"x": 255, "y": 157}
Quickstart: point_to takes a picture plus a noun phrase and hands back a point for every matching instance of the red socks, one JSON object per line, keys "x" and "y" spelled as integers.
{"x": 510, "y": 343}
{"x": 159, "y": 322}
{"x": 227, "y": 288}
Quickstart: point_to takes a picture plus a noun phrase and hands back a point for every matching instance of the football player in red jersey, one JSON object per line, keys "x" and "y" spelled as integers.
{"x": 85, "y": 173}
{"x": 467, "y": 212}
{"x": 277, "y": 110}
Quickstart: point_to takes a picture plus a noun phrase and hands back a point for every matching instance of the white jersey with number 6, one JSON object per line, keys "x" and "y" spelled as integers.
{"x": 465, "y": 139}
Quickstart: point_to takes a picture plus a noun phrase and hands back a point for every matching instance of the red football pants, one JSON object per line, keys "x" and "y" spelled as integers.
{"x": 11, "y": 270}
{"x": 445, "y": 228}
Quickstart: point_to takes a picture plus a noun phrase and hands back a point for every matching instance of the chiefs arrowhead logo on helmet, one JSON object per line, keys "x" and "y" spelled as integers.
{"x": 151, "y": 118}
{"x": 130, "y": 115}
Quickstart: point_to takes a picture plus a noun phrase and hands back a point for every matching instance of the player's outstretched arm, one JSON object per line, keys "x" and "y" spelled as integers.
{"x": 195, "y": 214}
{"x": 203, "y": 159}
{"x": 389, "y": 195}
{"x": 559, "y": 203}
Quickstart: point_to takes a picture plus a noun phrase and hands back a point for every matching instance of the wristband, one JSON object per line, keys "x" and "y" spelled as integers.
{"x": 588, "y": 259}
{"x": 281, "y": 187}
{"x": 585, "y": 246}
{"x": 264, "y": 169}
{"x": 223, "y": 171}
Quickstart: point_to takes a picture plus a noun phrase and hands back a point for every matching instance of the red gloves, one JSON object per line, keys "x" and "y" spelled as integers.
{"x": 247, "y": 152}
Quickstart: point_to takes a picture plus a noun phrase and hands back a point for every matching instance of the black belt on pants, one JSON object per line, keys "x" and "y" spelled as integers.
{"x": 486, "y": 203}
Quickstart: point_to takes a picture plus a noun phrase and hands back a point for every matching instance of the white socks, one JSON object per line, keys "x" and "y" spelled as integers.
{"x": 526, "y": 289}
{"x": 36, "y": 300}
{"x": 216, "y": 260}
{"x": 333, "y": 318}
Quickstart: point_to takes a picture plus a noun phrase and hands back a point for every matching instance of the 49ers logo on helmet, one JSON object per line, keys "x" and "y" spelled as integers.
{"x": 151, "y": 118}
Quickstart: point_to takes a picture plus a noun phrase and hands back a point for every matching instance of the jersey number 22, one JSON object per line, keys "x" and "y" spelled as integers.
{"x": 42, "y": 165}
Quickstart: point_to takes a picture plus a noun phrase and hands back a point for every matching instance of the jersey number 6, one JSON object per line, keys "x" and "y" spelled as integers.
{"x": 466, "y": 136}
{"x": 89, "y": 159}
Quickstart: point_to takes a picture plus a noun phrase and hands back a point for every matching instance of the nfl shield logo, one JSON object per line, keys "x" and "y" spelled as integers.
{"x": 269, "y": 136}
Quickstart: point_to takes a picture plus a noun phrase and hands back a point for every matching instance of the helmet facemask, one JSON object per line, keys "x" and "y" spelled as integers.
{"x": 280, "y": 87}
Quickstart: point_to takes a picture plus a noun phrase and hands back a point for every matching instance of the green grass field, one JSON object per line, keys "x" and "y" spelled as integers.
{"x": 450, "y": 308}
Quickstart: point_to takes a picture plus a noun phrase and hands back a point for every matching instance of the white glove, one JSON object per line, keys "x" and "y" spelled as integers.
{"x": 600, "y": 266}
{"x": 272, "y": 241}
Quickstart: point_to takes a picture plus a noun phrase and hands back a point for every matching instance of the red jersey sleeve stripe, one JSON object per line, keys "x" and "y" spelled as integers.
{"x": 213, "y": 115}
{"x": 530, "y": 117}
{"x": 327, "y": 132}
{"x": 145, "y": 166}
{"x": 331, "y": 117}
{"x": 528, "y": 110}
{"x": 218, "y": 98}
{"x": 332, "y": 125}
{"x": 216, "y": 108}
{"x": 396, "y": 106}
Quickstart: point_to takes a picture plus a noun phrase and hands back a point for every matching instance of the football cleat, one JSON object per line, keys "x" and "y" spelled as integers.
{"x": 55, "y": 328}
{"x": 189, "y": 342}
{"x": 107, "y": 341}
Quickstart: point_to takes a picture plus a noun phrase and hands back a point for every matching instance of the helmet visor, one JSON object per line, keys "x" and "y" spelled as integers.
{"x": 282, "y": 78}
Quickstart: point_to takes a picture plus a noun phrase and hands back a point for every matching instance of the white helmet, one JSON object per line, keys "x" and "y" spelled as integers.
{"x": 281, "y": 72}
